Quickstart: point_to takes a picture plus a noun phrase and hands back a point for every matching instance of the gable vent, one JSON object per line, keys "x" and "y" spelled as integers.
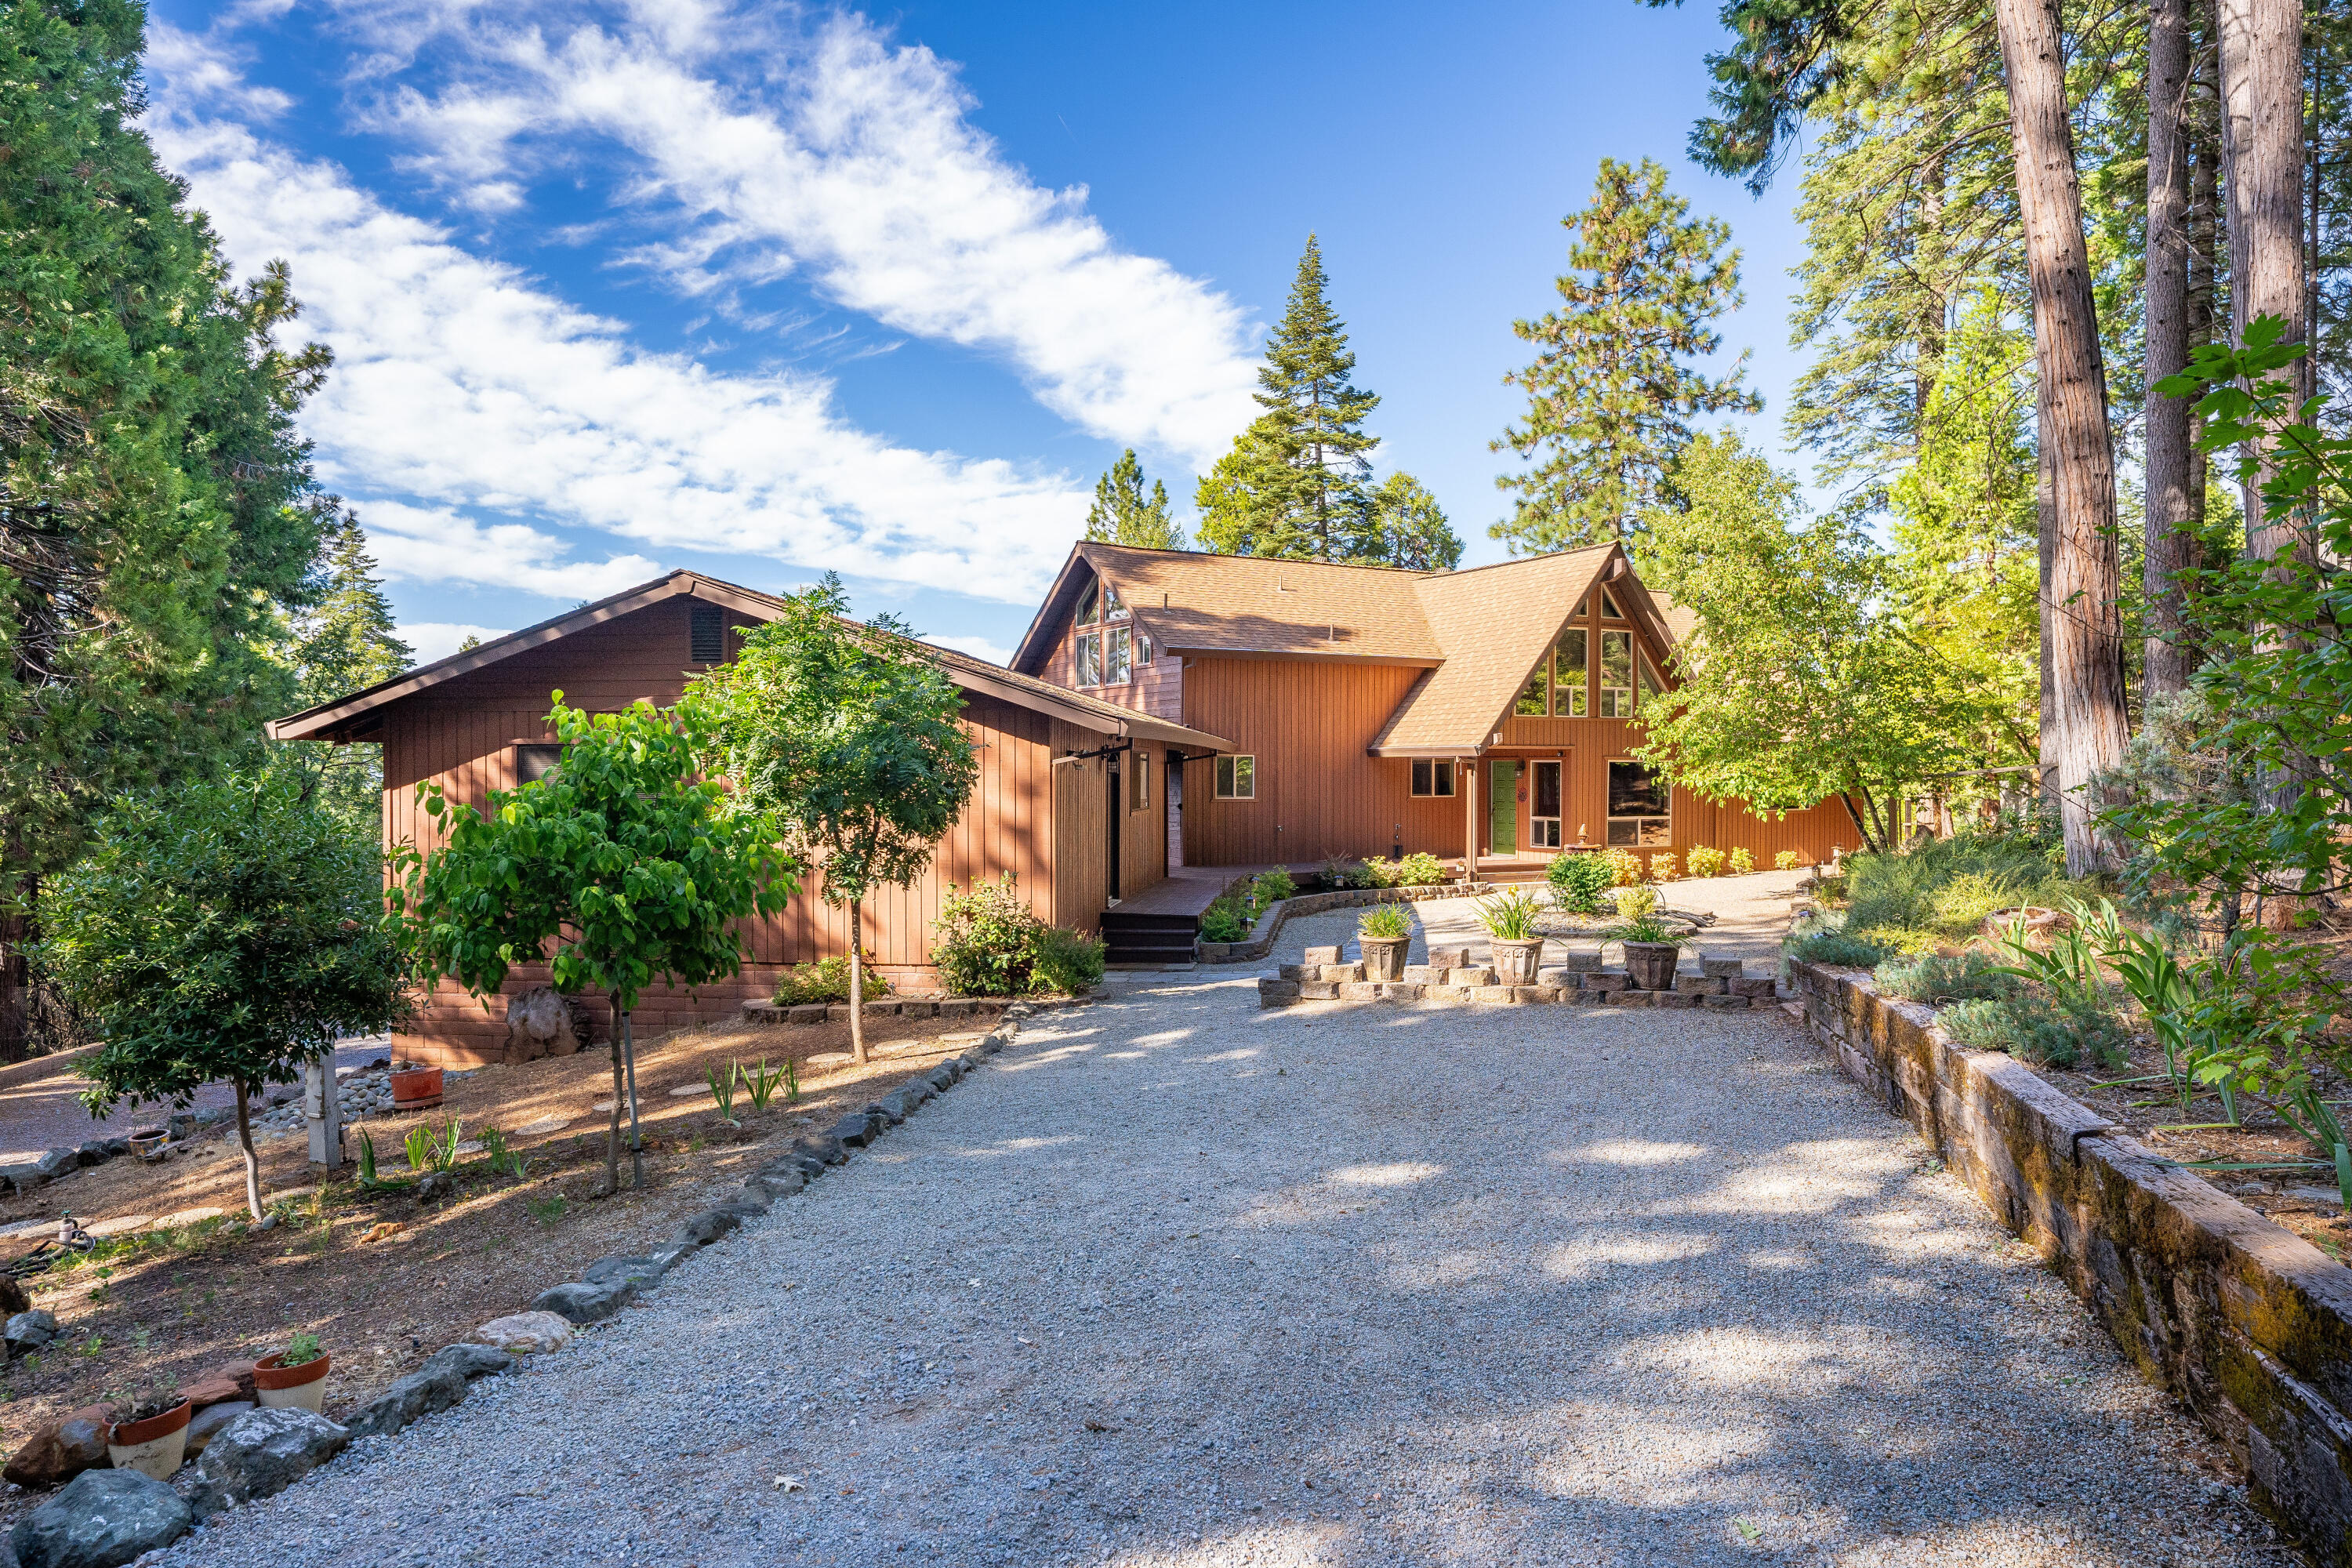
{"x": 710, "y": 636}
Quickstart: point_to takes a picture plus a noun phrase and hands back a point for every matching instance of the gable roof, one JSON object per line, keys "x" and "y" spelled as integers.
{"x": 353, "y": 717}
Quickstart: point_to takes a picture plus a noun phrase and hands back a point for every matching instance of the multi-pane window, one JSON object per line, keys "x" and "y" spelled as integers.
{"x": 1237, "y": 778}
{"x": 1087, "y": 658}
{"x": 1105, "y": 648}
{"x": 1640, "y": 812}
{"x": 1118, "y": 654}
{"x": 1567, "y": 668}
{"x": 1433, "y": 777}
{"x": 1616, "y": 675}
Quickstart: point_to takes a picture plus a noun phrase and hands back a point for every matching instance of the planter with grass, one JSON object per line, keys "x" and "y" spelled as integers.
{"x": 1385, "y": 933}
{"x": 1652, "y": 947}
{"x": 153, "y": 1436}
{"x": 414, "y": 1086}
{"x": 1518, "y": 946}
{"x": 296, "y": 1377}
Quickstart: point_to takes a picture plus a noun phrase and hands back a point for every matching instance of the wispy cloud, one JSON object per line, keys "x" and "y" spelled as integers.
{"x": 439, "y": 639}
{"x": 978, "y": 648}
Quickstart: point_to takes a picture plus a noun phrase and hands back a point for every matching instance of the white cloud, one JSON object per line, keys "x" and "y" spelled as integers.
{"x": 435, "y": 544}
{"x": 758, "y": 151}
{"x": 462, "y": 382}
{"x": 439, "y": 639}
{"x": 978, "y": 646}
{"x": 203, "y": 69}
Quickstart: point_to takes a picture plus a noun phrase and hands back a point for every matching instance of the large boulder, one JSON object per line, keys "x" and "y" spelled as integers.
{"x": 61, "y": 1450}
{"x": 469, "y": 1360}
{"x": 525, "y": 1334}
{"x": 211, "y": 1421}
{"x": 587, "y": 1303}
{"x": 105, "y": 1519}
{"x": 261, "y": 1453}
{"x": 419, "y": 1394}
{"x": 543, "y": 1022}
{"x": 29, "y": 1330}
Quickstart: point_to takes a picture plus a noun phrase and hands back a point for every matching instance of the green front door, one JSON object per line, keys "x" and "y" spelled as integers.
{"x": 1503, "y": 807}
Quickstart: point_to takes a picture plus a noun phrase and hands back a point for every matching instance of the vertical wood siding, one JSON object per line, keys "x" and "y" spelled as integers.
{"x": 1158, "y": 688}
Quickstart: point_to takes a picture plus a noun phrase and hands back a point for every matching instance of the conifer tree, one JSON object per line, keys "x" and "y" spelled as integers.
{"x": 1613, "y": 389}
{"x": 345, "y": 642}
{"x": 1296, "y": 483}
{"x": 1414, "y": 531}
{"x": 1123, "y": 514}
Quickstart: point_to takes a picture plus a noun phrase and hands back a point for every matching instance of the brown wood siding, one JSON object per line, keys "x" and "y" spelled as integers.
{"x": 1319, "y": 793}
{"x": 1158, "y": 688}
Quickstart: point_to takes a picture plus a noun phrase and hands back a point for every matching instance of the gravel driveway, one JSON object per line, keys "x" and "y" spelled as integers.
{"x": 1176, "y": 1281}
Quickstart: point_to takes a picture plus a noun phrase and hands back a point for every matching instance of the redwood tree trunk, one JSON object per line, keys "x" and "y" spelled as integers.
{"x": 16, "y": 979}
{"x": 2169, "y": 544}
{"x": 2078, "y": 596}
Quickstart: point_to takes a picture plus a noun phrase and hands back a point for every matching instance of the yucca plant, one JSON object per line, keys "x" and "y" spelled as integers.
{"x": 760, "y": 1083}
{"x": 1384, "y": 921}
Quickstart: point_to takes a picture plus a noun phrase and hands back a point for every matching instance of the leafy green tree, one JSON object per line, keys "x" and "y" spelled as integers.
{"x": 623, "y": 857}
{"x": 1611, "y": 390}
{"x": 1799, "y": 683}
{"x": 346, "y": 640}
{"x": 220, "y": 931}
{"x": 848, "y": 738}
{"x": 1123, "y": 514}
{"x": 1414, "y": 532}
{"x": 1296, "y": 483}
{"x": 154, "y": 495}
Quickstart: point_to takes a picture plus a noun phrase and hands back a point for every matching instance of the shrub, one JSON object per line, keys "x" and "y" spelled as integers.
{"x": 1337, "y": 872}
{"x": 1625, "y": 867}
{"x": 1272, "y": 887}
{"x": 1834, "y": 945}
{"x": 1706, "y": 862}
{"x": 1577, "y": 882}
{"x": 1742, "y": 861}
{"x": 1932, "y": 978}
{"x": 1064, "y": 961}
{"x": 1509, "y": 916}
{"x": 1786, "y": 860}
{"x": 1226, "y": 918}
{"x": 1662, "y": 868}
{"x": 2033, "y": 1029}
{"x": 828, "y": 980}
{"x": 1420, "y": 871}
{"x": 1386, "y": 921}
{"x": 1635, "y": 903}
{"x": 982, "y": 940}
{"x": 1949, "y": 884}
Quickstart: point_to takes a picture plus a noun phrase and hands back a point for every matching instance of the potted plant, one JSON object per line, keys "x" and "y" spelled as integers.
{"x": 296, "y": 1376}
{"x": 1510, "y": 921}
{"x": 1651, "y": 946}
{"x": 414, "y": 1086}
{"x": 1385, "y": 932}
{"x": 152, "y": 1438}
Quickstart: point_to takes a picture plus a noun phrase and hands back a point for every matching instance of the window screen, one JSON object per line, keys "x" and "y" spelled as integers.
{"x": 709, "y": 637}
{"x": 533, "y": 763}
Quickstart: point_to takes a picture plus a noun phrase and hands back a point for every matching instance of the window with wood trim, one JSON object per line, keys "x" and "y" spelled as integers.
{"x": 1609, "y": 610}
{"x": 1433, "y": 777}
{"x": 1641, "y": 813}
{"x": 1237, "y": 777}
{"x": 1616, "y": 675}
{"x": 1105, "y": 646}
{"x": 1568, "y": 673}
{"x": 1650, "y": 685}
{"x": 1118, "y": 654}
{"x": 1085, "y": 657}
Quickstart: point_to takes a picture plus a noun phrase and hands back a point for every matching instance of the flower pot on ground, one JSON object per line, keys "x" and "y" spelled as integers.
{"x": 153, "y": 1444}
{"x": 416, "y": 1087}
{"x": 1650, "y": 965}
{"x": 147, "y": 1142}
{"x": 1516, "y": 959}
{"x": 1510, "y": 921}
{"x": 295, "y": 1376}
{"x": 1384, "y": 956}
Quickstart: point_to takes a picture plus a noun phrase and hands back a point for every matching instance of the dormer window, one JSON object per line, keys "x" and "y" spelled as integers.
{"x": 1105, "y": 647}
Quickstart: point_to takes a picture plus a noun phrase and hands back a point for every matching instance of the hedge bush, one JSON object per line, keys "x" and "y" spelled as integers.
{"x": 1578, "y": 882}
{"x": 826, "y": 980}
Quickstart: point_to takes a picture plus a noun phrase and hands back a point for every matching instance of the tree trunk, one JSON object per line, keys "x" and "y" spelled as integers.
{"x": 2078, "y": 598}
{"x": 2168, "y": 544}
{"x": 857, "y": 982}
{"x": 2045, "y": 509}
{"x": 2204, "y": 241}
{"x": 636, "y": 1136}
{"x": 16, "y": 981}
{"x": 620, "y": 1095}
{"x": 245, "y": 1141}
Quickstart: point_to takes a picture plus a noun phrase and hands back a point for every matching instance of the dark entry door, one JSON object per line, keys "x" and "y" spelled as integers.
{"x": 1116, "y": 806}
{"x": 1503, "y": 806}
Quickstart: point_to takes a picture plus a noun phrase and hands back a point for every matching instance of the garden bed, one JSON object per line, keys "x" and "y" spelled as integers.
{"x": 384, "y": 1278}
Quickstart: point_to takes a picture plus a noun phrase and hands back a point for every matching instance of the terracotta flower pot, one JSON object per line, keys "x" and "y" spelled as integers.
{"x": 279, "y": 1387}
{"x": 1516, "y": 959}
{"x": 155, "y": 1447}
{"x": 416, "y": 1088}
{"x": 1384, "y": 956}
{"x": 147, "y": 1142}
{"x": 1650, "y": 965}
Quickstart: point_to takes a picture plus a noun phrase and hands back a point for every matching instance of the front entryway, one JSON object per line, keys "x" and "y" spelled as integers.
{"x": 1543, "y": 807}
{"x": 1503, "y": 806}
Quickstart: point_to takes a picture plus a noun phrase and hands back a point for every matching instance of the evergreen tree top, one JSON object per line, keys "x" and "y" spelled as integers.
{"x": 1306, "y": 377}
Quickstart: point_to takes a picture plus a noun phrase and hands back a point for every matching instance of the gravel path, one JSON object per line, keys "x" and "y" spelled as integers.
{"x": 1174, "y": 1282}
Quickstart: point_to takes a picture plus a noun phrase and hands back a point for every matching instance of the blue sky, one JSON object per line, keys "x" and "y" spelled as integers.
{"x": 768, "y": 291}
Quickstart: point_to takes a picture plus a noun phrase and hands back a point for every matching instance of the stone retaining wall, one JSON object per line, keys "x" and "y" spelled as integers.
{"x": 1270, "y": 920}
{"x": 883, "y": 1007}
{"x": 1722, "y": 984}
{"x": 2248, "y": 1324}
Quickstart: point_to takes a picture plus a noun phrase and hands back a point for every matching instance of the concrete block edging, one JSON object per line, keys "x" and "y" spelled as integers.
{"x": 1261, "y": 938}
{"x": 2244, "y": 1322}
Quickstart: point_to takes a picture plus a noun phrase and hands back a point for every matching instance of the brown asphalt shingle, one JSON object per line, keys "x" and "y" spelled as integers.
{"x": 1494, "y": 624}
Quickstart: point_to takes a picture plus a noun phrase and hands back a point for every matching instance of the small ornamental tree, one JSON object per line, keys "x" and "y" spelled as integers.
{"x": 620, "y": 858}
{"x": 226, "y": 931}
{"x": 847, "y": 735}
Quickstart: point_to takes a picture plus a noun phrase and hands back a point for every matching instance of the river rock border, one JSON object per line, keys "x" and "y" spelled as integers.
{"x": 2247, "y": 1323}
{"x": 1270, "y": 921}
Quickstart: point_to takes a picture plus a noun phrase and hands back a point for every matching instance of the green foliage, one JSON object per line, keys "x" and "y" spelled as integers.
{"x": 1839, "y": 948}
{"x": 623, "y": 857}
{"x": 367, "y": 1161}
{"x": 1742, "y": 861}
{"x": 1339, "y": 872}
{"x": 1420, "y": 869}
{"x": 1661, "y": 867}
{"x": 2031, "y": 1029}
{"x": 1648, "y": 928}
{"x": 722, "y": 1088}
{"x": 1951, "y": 885}
{"x": 1386, "y": 922}
{"x": 344, "y": 642}
{"x": 301, "y": 1349}
{"x": 1269, "y": 888}
{"x": 1123, "y": 514}
{"x": 1799, "y": 684}
{"x": 502, "y": 1158}
{"x": 1935, "y": 979}
{"x": 1787, "y": 860}
{"x": 1625, "y": 867}
{"x": 1577, "y": 882}
{"x": 826, "y": 980}
{"x": 1410, "y": 527}
{"x": 1295, "y": 483}
{"x": 1226, "y": 918}
{"x": 760, "y": 1083}
{"x": 984, "y": 941}
{"x": 1509, "y": 915}
{"x": 1065, "y": 962}
{"x": 1614, "y": 385}
{"x": 1706, "y": 862}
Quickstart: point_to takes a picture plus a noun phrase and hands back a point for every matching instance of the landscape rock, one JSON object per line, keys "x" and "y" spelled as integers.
{"x": 856, "y": 1129}
{"x": 29, "y": 1331}
{"x": 525, "y": 1334}
{"x": 105, "y": 1519}
{"x": 22, "y": 1176}
{"x": 229, "y": 1380}
{"x": 1318, "y": 991}
{"x": 1277, "y": 993}
{"x": 1722, "y": 968}
{"x": 774, "y": 1184}
{"x": 891, "y": 1108}
{"x": 1448, "y": 957}
{"x": 826, "y": 1149}
{"x": 610, "y": 1271}
{"x": 57, "y": 1161}
{"x": 420, "y": 1393}
{"x": 919, "y": 1090}
{"x": 1760, "y": 986}
{"x": 61, "y": 1450}
{"x": 1724, "y": 1002}
{"x": 94, "y": 1153}
{"x": 469, "y": 1362}
{"x": 262, "y": 1452}
{"x": 990, "y": 1044}
{"x": 213, "y": 1420}
{"x": 942, "y": 1077}
{"x": 585, "y": 1302}
{"x": 704, "y": 1228}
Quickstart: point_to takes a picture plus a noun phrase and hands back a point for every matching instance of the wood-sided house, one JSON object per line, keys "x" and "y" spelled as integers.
{"x": 1489, "y": 714}
{"x": 1067, "y": 798}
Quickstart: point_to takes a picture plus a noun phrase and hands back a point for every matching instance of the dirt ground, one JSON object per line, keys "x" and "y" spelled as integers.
{"x": 382, "y": 1278}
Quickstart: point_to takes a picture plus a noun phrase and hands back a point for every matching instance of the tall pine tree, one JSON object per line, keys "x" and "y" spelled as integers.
{"x": 1414, "y": 532}
{"x": 343, "y": 642}
{"x": 1123, "y": 514}
{"x": 1297, "y": 482}
{"x": 1613, "y": 389}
